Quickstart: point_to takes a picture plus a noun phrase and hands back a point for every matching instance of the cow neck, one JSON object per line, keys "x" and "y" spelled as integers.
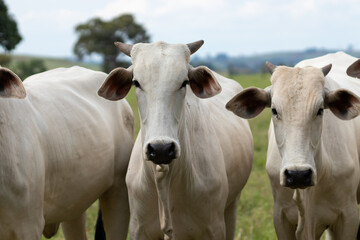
{"x": 162, "y": 182}
{"x": 188, "y": 133}
{"x": 303, "y": 196}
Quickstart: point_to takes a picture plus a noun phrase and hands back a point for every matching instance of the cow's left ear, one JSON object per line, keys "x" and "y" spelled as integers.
{"x": 203, "y": 82}
{"x": 117, "y": 84}
{"x": 354, "y": 69}
{"x": 11, "y": 85}
{"x": 343, "y": 103}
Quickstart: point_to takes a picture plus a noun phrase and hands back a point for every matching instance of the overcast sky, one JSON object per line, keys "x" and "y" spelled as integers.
{"x": 235, "y": 27}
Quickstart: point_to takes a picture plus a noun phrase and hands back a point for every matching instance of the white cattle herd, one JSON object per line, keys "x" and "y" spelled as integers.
{"x": 63, "y": 145}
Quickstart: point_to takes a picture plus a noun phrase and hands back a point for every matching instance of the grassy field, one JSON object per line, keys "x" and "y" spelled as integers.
{"x": 254, "y": 220}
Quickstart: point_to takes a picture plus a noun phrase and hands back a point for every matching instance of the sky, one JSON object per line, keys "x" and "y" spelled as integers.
{"x": 234, "y": 27}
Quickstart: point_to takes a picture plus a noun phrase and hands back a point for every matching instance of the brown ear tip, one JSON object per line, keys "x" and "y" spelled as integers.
{"x": 100, "y": 92}
{"x": 227, "y": 106}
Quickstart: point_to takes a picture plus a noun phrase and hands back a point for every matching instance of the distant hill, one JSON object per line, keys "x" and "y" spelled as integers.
{"x": 256, "y": 63}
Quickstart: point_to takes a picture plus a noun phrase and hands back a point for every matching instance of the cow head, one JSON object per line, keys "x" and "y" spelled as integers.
{"x": 10, "y": 84}
{"x": 161, "y": 74}
{"x": 297, "y": 98}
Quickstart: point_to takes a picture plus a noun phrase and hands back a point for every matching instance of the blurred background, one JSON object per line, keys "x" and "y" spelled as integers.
{"x": 240, "y": 35}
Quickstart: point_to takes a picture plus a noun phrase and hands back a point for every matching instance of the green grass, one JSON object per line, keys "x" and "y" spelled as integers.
{"x": 254, "y": 215}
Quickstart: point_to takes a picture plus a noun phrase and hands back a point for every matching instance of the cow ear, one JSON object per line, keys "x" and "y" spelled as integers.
{"x": 117, "y": 84}
{"x": 343, "y": 103}
{"x": 11, "y": 85}
{"x": 203, "y": 82}
{"x": 354, "y": 69}
{"x": 250, "y": 102}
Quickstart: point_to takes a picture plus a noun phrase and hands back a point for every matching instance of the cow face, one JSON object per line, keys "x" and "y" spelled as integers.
{"x": 297, "y": 98}
{"x": 161, "y": 75}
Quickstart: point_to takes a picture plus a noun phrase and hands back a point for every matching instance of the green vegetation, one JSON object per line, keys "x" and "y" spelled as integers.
{"x": 25, "y": 69}
{"x": 254, "y": 219}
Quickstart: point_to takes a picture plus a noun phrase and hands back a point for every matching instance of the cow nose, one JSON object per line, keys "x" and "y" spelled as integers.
{"x": 160, "y": 153}
{"x": 298, "y": 179}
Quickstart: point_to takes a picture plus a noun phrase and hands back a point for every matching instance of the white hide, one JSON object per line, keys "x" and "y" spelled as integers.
{"x": 329, "y": 146}
{"x": 63, "y": 147}
{"x": 195, "y": 196}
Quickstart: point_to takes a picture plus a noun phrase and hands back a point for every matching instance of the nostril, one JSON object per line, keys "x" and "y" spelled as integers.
{"x": 171, "y": 151}
{"x": 287, "y": 174}
{"x": 307, "y": 173}
{"x": 151, "y": 151}
{"x": 289, "y": 178}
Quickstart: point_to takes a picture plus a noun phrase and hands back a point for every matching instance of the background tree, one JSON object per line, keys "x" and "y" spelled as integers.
{"x": 98, "y": 36}
{"x": 9, "y": 34}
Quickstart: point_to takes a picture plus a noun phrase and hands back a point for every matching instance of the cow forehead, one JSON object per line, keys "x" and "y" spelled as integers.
{"x": 297, "y": 91}
{"x": 297, "y": 83}
{"x": 160, "y": 59}
{"x": 159, "y": 52}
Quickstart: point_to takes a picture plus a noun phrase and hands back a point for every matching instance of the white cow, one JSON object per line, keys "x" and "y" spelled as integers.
{"x": 313, "y": 156}
{"x": 61, "y": 147}
{"x": 191, "y": 158}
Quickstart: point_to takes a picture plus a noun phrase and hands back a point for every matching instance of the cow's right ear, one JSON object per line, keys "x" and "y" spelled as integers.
{"x": 354, "y": 69}
{"x": 250, "y": 102}
{"x": 11, "y": 85}
{"x": 117, "y": 84}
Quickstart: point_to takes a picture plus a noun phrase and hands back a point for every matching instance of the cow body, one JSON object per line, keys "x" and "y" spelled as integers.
{"x": 207, "y": 178}
{"x": 332, "y": 202}
{"x": 313, "y": 155}
{"x": 192, "y": 194}
{"x": 62, "y": 148}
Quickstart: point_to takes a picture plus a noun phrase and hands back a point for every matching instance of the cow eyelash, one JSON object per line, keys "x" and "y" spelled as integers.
{"x": 184, "y": 84}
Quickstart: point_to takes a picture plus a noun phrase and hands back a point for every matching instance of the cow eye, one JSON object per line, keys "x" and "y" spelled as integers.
{"x": 184, "y": 84}
{"x": 320, "y": 112}
{"x": 274, "y": 112}
{"x": 136, "y": 84}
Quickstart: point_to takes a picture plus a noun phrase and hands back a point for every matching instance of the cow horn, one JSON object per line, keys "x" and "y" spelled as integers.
{"x": 326, "y": 69}
{"x": 270, "y": 67}
{"x": 124, "y": 48}
{"x": 194, "y": 46}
